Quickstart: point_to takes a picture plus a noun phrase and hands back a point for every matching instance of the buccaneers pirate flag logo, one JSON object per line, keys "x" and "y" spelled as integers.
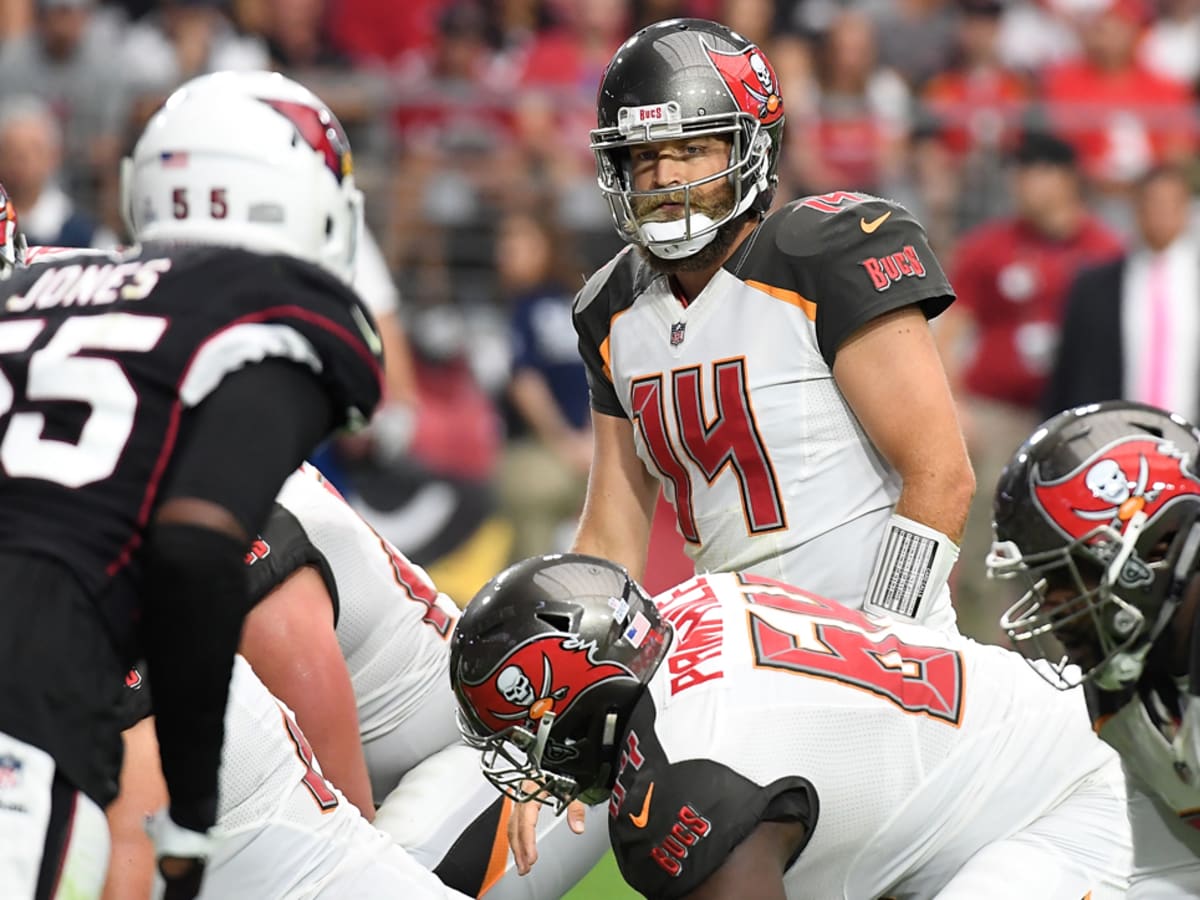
{"x": 751, "y": 81}
{"x": 1128, "y": 476}
{"x": 545, "y": 674}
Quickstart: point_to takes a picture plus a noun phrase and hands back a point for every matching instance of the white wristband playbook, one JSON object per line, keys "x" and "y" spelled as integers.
{"x": 911, "y": 568}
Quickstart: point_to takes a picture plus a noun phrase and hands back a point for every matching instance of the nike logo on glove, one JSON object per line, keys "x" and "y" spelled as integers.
{"x": 640, "y": 820}
{"x": 869, "y": 227}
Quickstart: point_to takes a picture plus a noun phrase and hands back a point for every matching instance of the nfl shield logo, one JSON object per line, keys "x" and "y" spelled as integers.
{"x": 677, "y": 333}
{"x": 10, "y": 771}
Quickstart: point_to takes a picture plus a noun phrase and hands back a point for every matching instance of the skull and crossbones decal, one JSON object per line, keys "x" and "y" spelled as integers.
{"x": 1109, "y": 483}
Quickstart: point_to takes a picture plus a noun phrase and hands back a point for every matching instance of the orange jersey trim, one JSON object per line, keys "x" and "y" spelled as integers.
{"x": 498, "y": 860}
{"x": 802, "y": 303}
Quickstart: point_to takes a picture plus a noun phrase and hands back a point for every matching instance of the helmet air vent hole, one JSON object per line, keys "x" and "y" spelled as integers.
{"x": 328, "y": 226}
{"x": 557, "y": 621}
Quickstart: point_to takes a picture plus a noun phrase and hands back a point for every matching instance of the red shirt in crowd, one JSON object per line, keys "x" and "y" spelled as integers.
{"x": 1013, "y": 282}
{"x": 1119, "y": 122}
{"x": 381, "y": 30}
{"x": 980, "y": 108}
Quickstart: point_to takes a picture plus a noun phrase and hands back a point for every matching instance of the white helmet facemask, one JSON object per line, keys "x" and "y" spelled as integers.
{"x": 249, "y": 159}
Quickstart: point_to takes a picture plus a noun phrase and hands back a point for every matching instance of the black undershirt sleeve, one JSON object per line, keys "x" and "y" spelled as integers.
{"x": 235, "y": 450}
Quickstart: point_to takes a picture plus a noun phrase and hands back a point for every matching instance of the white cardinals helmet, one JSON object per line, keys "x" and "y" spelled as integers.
{"x": 249, "y": 159}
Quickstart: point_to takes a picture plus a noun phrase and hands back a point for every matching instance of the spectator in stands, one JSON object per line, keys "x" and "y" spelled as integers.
{"x": 1170, "y": 46}
{"x": 1132, "y": 327}
{"x": 974, "y": 108}
{"x": 183, "y": 39}
{"x": 372, "y": 32}
{"x": 1121, "y": 117}
{"x": 1036, "y": 34}
{"x": 920, "y": 37}
{"x": 452, "y": 123}
{"x": 545, "y": 469}
{"x": 856, "y": 136}
{"x": 557, "y": 74}
{"x": 70, "y": 60}
{"x": 30, "y": 167}
{"x": 298, "y": 36}
{"x": 997, "y": 341}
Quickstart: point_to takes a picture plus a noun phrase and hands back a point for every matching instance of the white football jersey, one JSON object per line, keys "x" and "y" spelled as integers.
{"x": 392, "y": 624}
{"x": 732, "y": 398}
{"x": 282, "y": 830}
{"x": 906, "y": 752}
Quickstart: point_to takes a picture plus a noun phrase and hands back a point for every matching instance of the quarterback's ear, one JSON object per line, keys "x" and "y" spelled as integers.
{"x": 755, "y": 867}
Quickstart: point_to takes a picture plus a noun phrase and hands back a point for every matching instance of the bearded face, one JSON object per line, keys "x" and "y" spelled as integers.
{"x": 713, "y": 200}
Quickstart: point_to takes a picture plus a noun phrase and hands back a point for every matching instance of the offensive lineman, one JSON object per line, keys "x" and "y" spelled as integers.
{"x": 152, "y": 401}
{"x": 727, "y": 723}
{"x": 283, "y": 830}
{"x": 1098, "y": 514}
{"x": 338, "y": 603}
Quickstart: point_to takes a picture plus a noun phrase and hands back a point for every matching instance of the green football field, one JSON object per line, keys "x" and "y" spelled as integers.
{"x": 602, "y": 883}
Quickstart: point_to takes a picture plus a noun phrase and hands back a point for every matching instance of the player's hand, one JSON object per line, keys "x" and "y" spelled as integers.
{"x": 181, "y": 854}
{"x": 522, "y": 831}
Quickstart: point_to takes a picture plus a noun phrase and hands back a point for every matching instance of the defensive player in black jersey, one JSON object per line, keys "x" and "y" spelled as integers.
{"x": 771, "y": 371}
{"x": 152, "y": 402}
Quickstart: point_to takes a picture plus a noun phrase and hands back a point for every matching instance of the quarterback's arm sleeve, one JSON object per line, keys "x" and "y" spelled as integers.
{"x": 283, "y": 547}
{"x": 863, "y": 275}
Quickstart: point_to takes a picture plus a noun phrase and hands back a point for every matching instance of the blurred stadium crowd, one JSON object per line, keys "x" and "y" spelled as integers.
{"x": 1033, "y": 138}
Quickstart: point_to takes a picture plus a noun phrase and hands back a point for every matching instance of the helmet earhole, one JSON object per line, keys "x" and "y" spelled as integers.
{"x": 328, "y": 226}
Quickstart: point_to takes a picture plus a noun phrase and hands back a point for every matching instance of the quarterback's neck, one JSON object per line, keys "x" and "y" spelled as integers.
{"x": 693, "y": 282}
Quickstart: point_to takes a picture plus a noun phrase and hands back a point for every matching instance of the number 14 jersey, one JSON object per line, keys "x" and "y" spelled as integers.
{"x": 732, "y": 399}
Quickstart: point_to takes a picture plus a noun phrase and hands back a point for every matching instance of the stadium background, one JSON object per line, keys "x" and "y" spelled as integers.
{"x": 469, "y": 121}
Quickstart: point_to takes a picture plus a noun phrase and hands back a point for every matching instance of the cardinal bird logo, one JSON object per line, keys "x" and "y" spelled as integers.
{"x": 545, "y": 674}
{"x": 321, "y": 131}
{"x": 750, "y": 80}
{"x": 1126, "y": 477}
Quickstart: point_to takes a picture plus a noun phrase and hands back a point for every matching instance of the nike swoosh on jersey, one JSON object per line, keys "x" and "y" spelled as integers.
{"x": 640, "y": 820}
{"x": 869, "y": 227}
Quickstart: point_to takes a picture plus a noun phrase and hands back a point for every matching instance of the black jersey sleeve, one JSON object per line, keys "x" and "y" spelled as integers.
{"x": 673, "y": 824}
{"x": 857, "y": 260}
{"x": 281, "y": 549}
{"x": 344, "y": 349}
{"x": 609, "y": 291}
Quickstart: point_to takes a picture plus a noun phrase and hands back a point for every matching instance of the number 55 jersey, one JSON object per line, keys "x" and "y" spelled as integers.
{"x": 918, "y": 762}
{"x": 101, "y": 357}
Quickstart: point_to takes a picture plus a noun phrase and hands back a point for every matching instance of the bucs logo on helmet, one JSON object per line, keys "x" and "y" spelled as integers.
{"x": 545, "y": 674}
{"x": 750, "y": 80}
{"x": 1128, "y": 476}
